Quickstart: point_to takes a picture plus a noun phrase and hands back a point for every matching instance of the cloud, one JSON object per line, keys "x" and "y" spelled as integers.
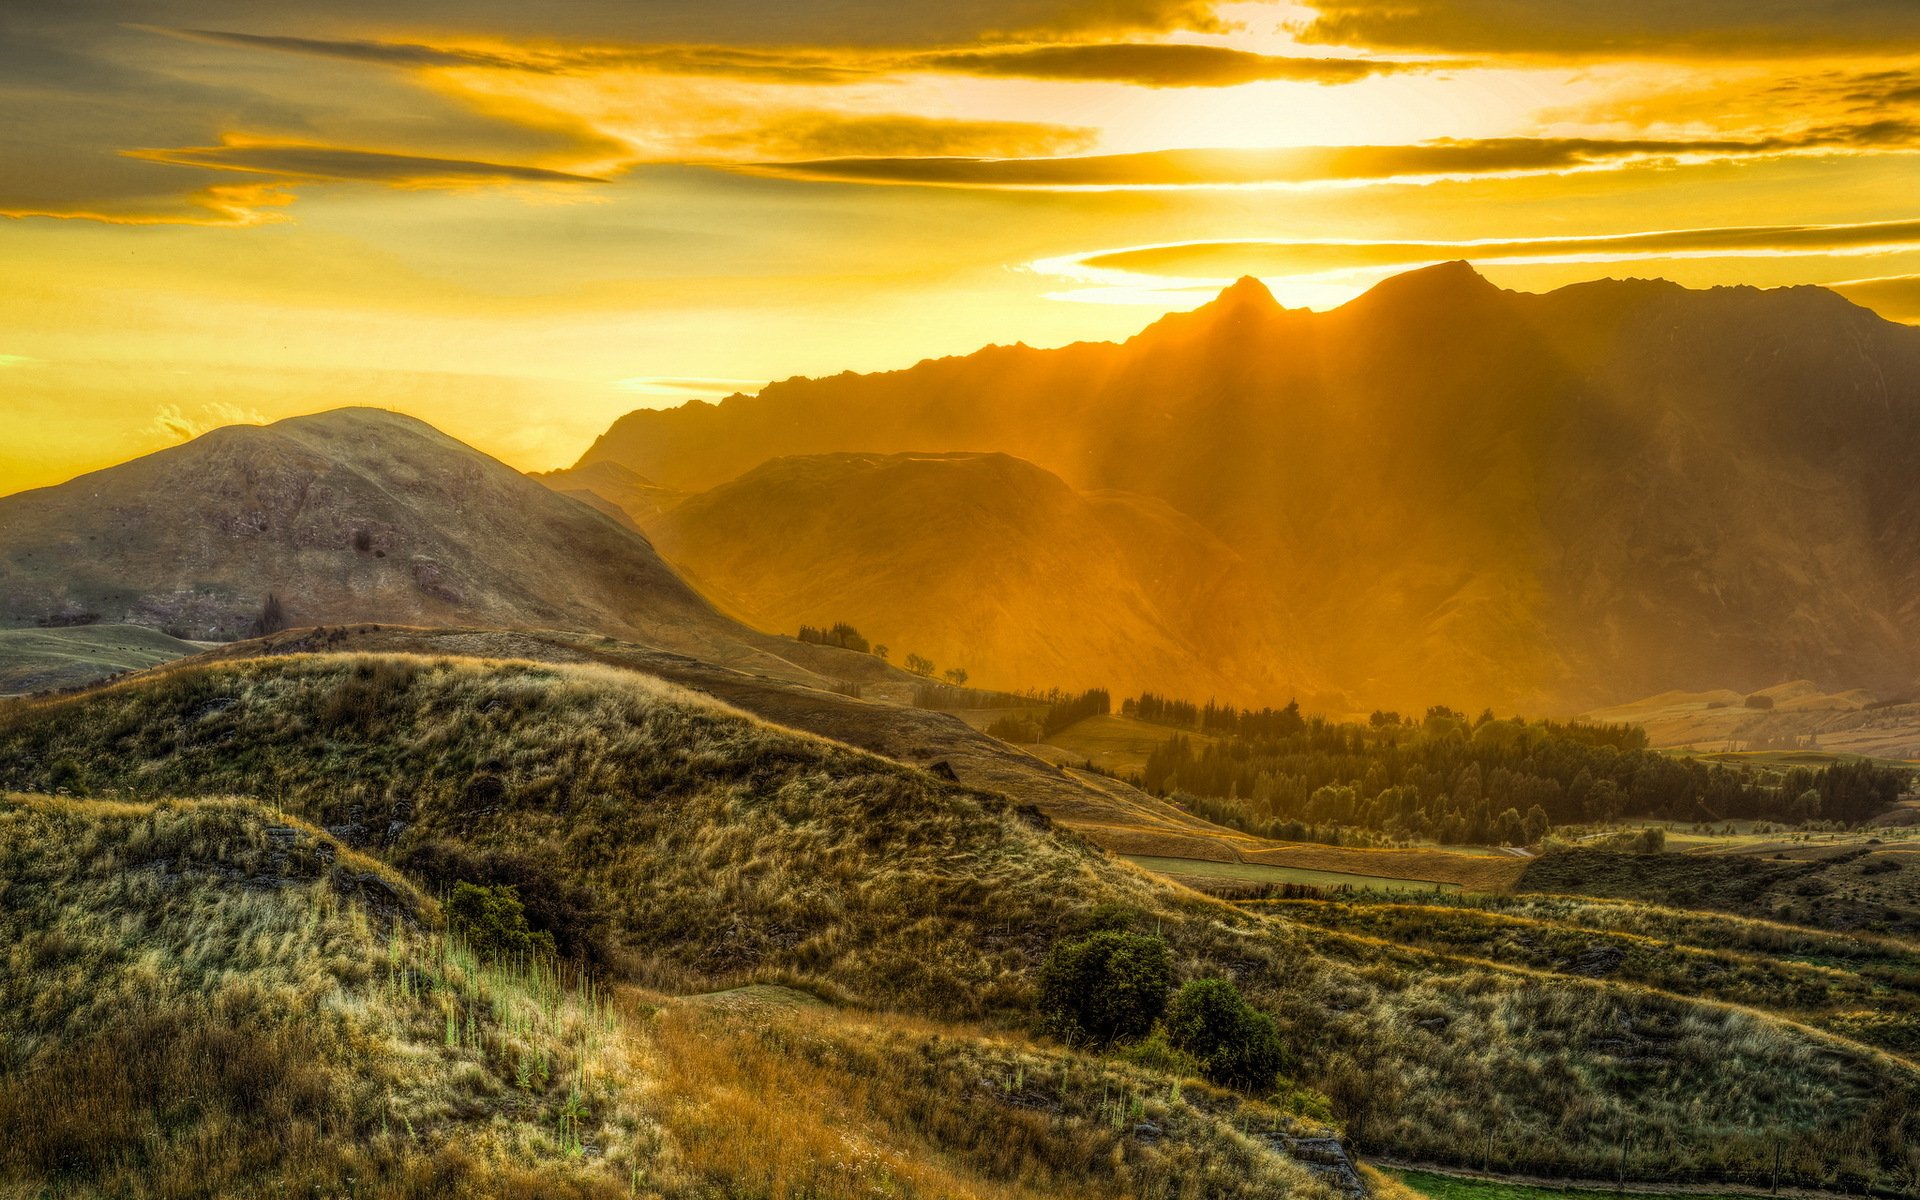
{"x": 1895, "y": 297}
{"x": 1159, "y": 64}
{"x": 833, "y": 135}
{"x": 297, "y": 162}
{"x": 173, "y": 421}
{"x": 1152, "y": 270}
{"x": 1619, "y": 28}
{"x": 1146, "y": 64}
{"x": 794, "y": 65}
{"x": 1326, "y": 165}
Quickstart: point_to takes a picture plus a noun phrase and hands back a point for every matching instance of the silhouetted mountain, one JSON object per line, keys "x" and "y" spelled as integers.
{"x": 1444, "y": 490}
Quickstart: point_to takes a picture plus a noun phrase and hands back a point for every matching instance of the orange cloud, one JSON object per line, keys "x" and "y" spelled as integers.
{"x": 1325, "y": 165}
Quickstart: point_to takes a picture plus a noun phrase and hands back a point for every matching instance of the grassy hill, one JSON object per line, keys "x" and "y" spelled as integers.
{"x": 708, "y": 850}
{"x": 203, "y": 998}
{"x": 38, "y": 660}
{"x": 210, "y": 998}
{"x": 356, "y": 515}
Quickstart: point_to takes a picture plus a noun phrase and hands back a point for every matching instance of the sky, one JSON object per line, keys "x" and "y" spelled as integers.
{"x": 519, "y": 221}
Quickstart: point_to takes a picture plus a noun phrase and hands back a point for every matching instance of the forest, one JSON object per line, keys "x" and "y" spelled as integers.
{"x": 1455, "y": 780}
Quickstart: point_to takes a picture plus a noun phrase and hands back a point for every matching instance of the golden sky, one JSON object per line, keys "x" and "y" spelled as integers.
{"x": 519, "y": 221}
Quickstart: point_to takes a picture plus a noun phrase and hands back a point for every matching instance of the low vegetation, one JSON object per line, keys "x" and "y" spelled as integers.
{"x": 204, "y": 999}
{"x": 724, "y": 852}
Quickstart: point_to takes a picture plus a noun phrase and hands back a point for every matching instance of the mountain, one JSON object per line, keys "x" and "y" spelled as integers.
{"x": 1447, "y": 491}
{"x": 348, "y": 516}
{"x": 981, "y": 561}
{"x": 612, "y": 488}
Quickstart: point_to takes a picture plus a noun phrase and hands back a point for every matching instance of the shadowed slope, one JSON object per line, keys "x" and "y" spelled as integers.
{"x": 976, "y": 560}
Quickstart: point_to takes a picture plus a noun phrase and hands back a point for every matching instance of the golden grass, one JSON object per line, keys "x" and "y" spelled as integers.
{"x": 730, "y": 852}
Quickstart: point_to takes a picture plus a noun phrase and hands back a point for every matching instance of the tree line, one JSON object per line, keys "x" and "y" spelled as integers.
{"x": 1449, "y": 779}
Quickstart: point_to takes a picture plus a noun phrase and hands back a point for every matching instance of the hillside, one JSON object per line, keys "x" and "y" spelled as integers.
{"x": 352, "y": 515}
{"x": 1801, "y": 716}
{"x": 36, "y": 660}
{"x": 211, "y": 998}
{"x": 1443, "y": 490}
{"x": 717, "y": 851}
{"x": 974, "y": 560}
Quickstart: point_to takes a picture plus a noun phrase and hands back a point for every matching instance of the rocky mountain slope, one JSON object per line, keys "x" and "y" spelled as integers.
{"x": 1444, "y": 490}
{"x": 349, "y": 516}
{"x": 982, "y": 561}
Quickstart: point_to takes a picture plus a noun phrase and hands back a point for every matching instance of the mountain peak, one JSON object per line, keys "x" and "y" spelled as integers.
{"x": 1246, "y": 290}
{"x": 1438, "y": 283}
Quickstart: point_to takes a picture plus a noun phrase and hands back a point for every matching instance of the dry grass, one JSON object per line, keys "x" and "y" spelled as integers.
{"x": 1877, "y": 1006}
{"x": 727, "y": 852}
{"x": 809, "y": 1102}
{"x": 203, "y": 999}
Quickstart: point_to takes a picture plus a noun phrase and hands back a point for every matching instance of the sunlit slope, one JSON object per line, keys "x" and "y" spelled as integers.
{"x": 724, "y": 851}
{"x": 209, "y": 998}
{"x": 1446, "y": 490}
{"x": 980, "y": 561}
{"x": 348, "y": 516}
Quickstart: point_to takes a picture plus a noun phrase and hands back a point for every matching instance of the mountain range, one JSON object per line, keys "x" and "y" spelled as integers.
{"x": 1442, "y": 490}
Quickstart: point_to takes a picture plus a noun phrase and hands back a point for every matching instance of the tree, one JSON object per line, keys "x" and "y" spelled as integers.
{"x": 1235, "y": 1043}
{"x": 880, "y": 651}
{"x": 1111, "y": 985}
{"x": 957, "y": 676}
{"x": 272, "y": 618}
{"x": 494, "y": 922}
{"x": 920, "y": 666}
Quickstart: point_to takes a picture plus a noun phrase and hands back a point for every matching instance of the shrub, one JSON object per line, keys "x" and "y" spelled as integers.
{"x": 1234, "y": 1044}
{"x": 567, "y": 912}
{"x": 1111, "y": 986}
{"x": 494, "y": 922}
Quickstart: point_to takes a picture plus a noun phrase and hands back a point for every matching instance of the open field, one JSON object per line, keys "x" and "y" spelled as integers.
{"x": 1114, "y": 743}
{"x": 1805, "y": 727}
{"x": 37, "y": 660}
{"x": 1200, "y": 873}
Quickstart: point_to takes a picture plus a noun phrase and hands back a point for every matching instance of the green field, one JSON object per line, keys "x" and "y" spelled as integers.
{"x": 1453, "y": 1187}
{"x": 37, "y": 660}
{"x": 1260, "y": 873}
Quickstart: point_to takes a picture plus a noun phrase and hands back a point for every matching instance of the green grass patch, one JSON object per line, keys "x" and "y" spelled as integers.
{"x": 1453, "y": 1187}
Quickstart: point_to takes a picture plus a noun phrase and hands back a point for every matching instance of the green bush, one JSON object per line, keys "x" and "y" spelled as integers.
{"x": 1235, "y": 1044}
{"x": 494, "y": 922}
{"x": 1111, "y": 986}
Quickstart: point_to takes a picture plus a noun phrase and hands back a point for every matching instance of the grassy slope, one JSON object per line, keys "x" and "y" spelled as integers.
{"x": 1866, "y": 992}
{"x": 207, "y": 998}
{"x": 1874, "y": 889}
{"x": 38, "y": 660}
{"x": 731, "y": 852}
{"x": 203, "y": 998}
